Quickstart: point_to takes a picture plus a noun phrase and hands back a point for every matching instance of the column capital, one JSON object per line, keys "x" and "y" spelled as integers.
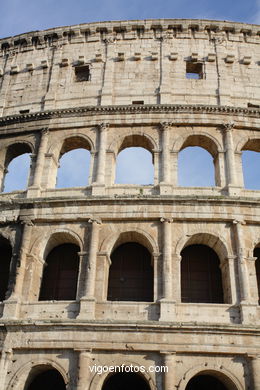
{"x": 45, "y": 131}
{"x": 163, "y": 219}
{"x": 103, "y": 126}
{"x": 94, "y": 221}
{"x": 27, "y": 222}
{"x": 238, "y": 222}
{"x": 227, "y": 126}
{"x": 168, "y": 353}
{"x": 253, "y": 356}
{"x": 165, "y": 125}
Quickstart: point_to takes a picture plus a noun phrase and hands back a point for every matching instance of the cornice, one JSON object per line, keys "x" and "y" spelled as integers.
{"x": 125, "y": 109}
{"x": 174, "y": 28}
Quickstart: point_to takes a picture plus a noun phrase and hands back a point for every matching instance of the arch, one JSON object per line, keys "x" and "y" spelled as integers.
{"x": 18, "y": 162}
{"x": 134, "y": 165}
{"x": 250, "y": 149}
{"x": 196, "y": 168}
{"x": 135, "y": 139}
{"x": 202, "y": 139}
{"x": 99, "y": 379}
{"x": 60, "y": 275}
{"x": 201, "y": 279}
{"x": 18, "y": 380}
{"x": 45, "y": 377}
{"x": 251, "y": 142}
{"x": 5, "y": 263}
{"x": 228, "y": 378}
{"x": 125, "y": 380}
{"x": 70, "y": 142}
{"x": 131, "y": 273}
{"x": 74, "y": 169}
{"x": 209, "y": 238}
{"x": 15, "y": 149}
{"x": 55, "y": 238}
{"x": 134, "y": 235}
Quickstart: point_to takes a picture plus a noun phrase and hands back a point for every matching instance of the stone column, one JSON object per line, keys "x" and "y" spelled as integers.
{"x": 87, "y": 301}
{"x": 167, "y": 258}
{"x": 6, "y": 358}
{"x": 40, "y": 158}
{"x": 230, "y": 158}
{"x": 84, "y": 373}
{"x": 12, "y": 305}
{"x": 170, "y": 369}
{"x": 165, "y": 164}
{"x": 174, "y": 163}
{"x": 255, "y": 369}
{"x": 156, "y": 164}
{"x": 106, "y": 97}
{"x": 167, "y": 303}
{"x": 176, "y": 261}
{"x": 228, "y": 270}
{"x": 83, "y": 256}
{"x": 254, "y": 293}
{"x": 242, "y": 269}
{"x": 101, "y": 163}
{"x": 2, "y": 177}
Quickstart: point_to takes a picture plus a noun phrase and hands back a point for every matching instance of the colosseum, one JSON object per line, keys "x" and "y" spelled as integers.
{"x": 105, "y": 286}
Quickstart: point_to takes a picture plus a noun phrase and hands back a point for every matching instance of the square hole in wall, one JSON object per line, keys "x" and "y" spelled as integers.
{"x": 82, "y": 73}
{"x": 137, "y": 102}
{"x": 194, "y": 70}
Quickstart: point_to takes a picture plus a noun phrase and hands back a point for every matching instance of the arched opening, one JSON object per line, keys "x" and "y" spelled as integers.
{"x": 205, "y": 382}
{"x": 251, "y": 160}
{"x": 195, "y": 168}
{"x": 257, "y": 269}
{"x": 74, "y": 163}
{"x": 134, "y": 164}
{"x": 198, "y": 162}
{"x": 130, "y": 274}
{"x": 201, "y": 279}
{"x": 17, "y": 165}
{"x": 126, "y": 381}
{"x": 43, "y": 378}
{"x": 5, "y": 261}
{"x": 60, "y": 275}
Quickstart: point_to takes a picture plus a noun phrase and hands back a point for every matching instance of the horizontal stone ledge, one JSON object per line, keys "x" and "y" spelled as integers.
{"x": 142, "y": 108}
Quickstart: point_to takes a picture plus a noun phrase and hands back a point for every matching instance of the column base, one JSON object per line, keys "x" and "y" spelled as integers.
{"x": 165, "y": 188}
{"x": 249, "y": 313}
{"x": 167, "y": 310}
{"x": 33, "y": 192}
{"x": 98, "y": 189}
{"x": 87, "y": 306}
{"x": 12, "y": 309}
{"x": 233, "y": 190}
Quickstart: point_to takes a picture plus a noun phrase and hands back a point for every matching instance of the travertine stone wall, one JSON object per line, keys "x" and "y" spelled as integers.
{"x": 131, "y": 62}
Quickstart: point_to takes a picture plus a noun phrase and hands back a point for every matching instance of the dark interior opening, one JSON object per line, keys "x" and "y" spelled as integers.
{"x": 60, "y": 275}
{"x": 131, "y": 274}
{"x": 126, "y": 381}
{"x": 51, "y": 380}
{"x": 205, "y": 382}
{"x": 5, "y": 260}
{"x": 201, "y": 279}
{"x": 257, "y": 269}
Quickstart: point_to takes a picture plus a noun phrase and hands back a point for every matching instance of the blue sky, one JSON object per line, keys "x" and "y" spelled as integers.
{"x": 19, "y": 16}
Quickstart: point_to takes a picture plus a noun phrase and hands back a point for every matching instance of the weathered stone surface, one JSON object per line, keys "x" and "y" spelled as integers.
{"x": 44, "y": 110}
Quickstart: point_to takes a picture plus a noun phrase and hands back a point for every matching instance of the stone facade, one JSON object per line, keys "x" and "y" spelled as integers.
{"x": 135, "y": 93}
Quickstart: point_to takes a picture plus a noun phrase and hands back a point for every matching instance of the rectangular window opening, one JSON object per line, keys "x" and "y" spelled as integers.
{"x": 194, "y": 70}
{"x": 138, "y": 102}
{"x": 82, "y": 73}
{"x": 24, "y": 111}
